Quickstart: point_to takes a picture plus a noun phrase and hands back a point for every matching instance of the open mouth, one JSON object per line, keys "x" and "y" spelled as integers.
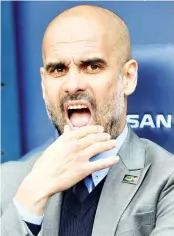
{"x": 78, "y": 113}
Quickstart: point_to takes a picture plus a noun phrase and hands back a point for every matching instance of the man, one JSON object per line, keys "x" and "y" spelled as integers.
{"x": 88, "y": 74}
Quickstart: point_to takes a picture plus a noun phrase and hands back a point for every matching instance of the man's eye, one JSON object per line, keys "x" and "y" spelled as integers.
{"x": 93, "y": 68}
{"x": 57, "y": 71}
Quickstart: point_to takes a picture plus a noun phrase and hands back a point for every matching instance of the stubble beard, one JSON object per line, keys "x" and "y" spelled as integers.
{"x": 109, "y": 115}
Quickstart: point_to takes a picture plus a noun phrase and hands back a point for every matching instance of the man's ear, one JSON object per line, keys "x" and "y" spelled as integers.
{"x": 42, "y": 74}
{"x": 130, "y": 74}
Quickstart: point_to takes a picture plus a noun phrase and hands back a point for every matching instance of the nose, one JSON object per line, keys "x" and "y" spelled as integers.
{"x": 75, "y": 82}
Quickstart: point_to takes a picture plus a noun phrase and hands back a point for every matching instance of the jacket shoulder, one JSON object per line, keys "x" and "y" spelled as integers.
{"x": 12, "y": 175}
{"x": 157, "y": 155}
{"x": 13, "y": 171}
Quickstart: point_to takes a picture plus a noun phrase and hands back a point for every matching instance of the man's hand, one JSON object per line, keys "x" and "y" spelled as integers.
{"x": 63, "y": 164}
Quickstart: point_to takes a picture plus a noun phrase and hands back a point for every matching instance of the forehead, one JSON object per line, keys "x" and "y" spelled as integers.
{"x": 79, "y": 38}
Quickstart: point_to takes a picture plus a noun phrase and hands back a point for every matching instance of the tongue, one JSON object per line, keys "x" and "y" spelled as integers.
{"x": 80, "y": 117}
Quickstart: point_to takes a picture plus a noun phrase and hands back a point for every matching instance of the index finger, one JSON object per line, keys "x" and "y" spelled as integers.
{"x": 85, "y": 130}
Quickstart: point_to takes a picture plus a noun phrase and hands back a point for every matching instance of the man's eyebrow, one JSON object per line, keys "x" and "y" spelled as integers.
{"x": 54, "y": 65}
{"x": 95, "y": 60}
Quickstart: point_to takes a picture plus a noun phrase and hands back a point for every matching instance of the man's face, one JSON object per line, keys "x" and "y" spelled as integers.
{"x": 81, "y": 78}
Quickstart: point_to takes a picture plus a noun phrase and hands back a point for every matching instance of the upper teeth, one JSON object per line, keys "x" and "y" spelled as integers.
{"x": 77, "y": 107}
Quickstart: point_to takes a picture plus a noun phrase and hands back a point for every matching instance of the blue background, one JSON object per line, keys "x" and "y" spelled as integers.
{"x": 24, "y": 121}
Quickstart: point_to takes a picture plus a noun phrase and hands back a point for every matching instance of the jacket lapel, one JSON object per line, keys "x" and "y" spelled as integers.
{"x": 52, "y": 216}
{"x": 118, "y": 189}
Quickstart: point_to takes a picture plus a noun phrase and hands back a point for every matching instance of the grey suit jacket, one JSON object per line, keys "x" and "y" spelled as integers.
{"x": 131, "y": 206}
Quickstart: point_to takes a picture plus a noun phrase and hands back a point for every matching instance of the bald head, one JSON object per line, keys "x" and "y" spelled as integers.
{"x": 85, "y": 18}
{"x": 86, "y": 55}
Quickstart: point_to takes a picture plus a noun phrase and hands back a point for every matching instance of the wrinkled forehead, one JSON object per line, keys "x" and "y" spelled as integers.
{"x": 79, "y": 37}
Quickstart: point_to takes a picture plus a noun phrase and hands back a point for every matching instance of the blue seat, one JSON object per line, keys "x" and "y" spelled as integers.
{"x": 151, "y": 107}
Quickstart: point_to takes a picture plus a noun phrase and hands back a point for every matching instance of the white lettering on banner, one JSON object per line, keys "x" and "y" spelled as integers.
{"x": 148, "y": 120}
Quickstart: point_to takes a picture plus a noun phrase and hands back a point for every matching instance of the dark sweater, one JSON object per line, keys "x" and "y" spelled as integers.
{"x": 77, "y": 217}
